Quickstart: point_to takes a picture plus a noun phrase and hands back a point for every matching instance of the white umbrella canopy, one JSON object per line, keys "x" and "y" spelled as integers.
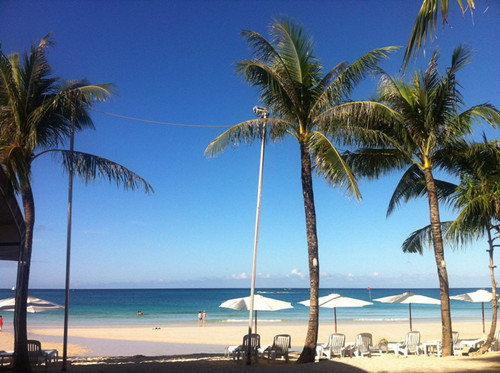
{"x": 408, "y": 298}
{"x": 335, "y": 300}
{"x": 260, "y": 303}
{"x": 477, "y": 296}
{"x": 33, "y": 305}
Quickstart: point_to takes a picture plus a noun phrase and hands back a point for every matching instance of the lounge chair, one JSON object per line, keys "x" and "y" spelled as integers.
{"x": 334, "y": 347}
{"x": 242, "y": 349}
{"x": 35, "y": 353}
{"x": 411, "y": 344}
{"x": 362, "y": 344}
{"x": 281, "y": 344}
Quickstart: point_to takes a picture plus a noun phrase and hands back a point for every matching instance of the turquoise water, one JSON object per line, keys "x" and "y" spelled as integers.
{"x": 164, "y": 306}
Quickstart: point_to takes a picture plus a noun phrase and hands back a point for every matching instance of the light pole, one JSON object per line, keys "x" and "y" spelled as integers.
{"x": 68, "y": 247}
{"x": 263, "y": 113}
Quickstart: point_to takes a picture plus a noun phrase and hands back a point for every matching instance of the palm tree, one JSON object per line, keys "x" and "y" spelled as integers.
{"x": 477, "y": 199}
{"x": 300, "y": 95}
{"x": 37, "y": 113}
{"x": 425, "y": 24}
{"x": 422, "y": 122}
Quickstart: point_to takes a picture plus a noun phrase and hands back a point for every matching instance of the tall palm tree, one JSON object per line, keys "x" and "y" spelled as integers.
{"x": 300, "y": 95}
{"x": 425, "y": 24}
{"x": 476, "y": 198}
{"x": 37, "y": 113}
{"x": 422, "y": 121}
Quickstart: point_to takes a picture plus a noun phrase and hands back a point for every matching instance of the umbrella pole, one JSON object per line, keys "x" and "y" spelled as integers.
{"x": 256, "y": 240}
{"x": 482, "y": 306}
{"x": 255, "y": 321}
{"x": 335, "y": 314}
{"x": 409, "y": 307}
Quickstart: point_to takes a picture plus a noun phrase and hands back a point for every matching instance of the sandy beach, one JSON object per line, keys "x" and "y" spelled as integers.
{"x": 192, "y": 347}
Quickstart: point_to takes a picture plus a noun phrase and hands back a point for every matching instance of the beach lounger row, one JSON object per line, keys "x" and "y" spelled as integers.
{"x": 279, "y": 349}
{"x": 363, "y": 346}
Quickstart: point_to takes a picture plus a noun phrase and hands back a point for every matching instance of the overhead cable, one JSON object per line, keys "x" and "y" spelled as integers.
{"x": 159, "y": 122}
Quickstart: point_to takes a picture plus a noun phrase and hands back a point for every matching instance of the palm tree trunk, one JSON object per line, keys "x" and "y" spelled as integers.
{"x": 309, "y": 351}
{"x": 437, "y": 239}
{"x": 21, "y": 359}
{"x": 494, "y": 302}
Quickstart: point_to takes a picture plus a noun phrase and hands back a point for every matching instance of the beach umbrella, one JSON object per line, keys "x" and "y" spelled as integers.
{"x": 408, "y": 297}
{"x": 335, "y": 301}
{"x": 34, "y": 305}
{"x": 480, "y": 295}
{"x": 260, "y": 303}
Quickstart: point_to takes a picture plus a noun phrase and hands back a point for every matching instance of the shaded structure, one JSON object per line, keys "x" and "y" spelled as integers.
{"x": 12, "y": 227}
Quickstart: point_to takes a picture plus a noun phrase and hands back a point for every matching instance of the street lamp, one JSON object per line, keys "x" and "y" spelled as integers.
{"x": 263, "y": 113}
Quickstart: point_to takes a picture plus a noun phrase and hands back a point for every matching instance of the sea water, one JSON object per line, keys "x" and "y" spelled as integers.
{"x": 181, "y": 306}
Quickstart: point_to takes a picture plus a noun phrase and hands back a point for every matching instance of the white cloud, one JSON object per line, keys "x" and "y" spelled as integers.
{"x": 296, "y": 272}
{"x": 239, "y": 276}
{"x": 375, "y": 274}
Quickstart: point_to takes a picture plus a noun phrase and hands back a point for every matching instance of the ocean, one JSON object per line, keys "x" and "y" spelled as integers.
{"x": 175, "y": 306}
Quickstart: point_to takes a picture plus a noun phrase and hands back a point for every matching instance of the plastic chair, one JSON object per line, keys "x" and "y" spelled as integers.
{"x": 242, "y": 350}
{"x": 411, "y": 344}
{"x": 362, "y": 344}
{"x": 334, "y": 347}
{"x": 281, "y": 344}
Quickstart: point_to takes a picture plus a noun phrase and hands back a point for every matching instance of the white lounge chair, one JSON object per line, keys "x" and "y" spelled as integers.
{"x": 281, "y": 344}
{"x": 411, "y": 344}
{"x": 242, "y": 350}
{"x": 362, "y": 344}
{"x": 334, "y": 347}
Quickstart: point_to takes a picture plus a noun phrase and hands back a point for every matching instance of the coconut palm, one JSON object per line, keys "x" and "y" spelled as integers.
{"x": 425, "y": 24}
{"x": 301, "y": 95}
{"x": 422, "y": 121}
{"x": 37, "y": 113}
{"x": 477, "y": 199}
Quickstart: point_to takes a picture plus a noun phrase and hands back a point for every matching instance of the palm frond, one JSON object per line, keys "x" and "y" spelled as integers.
{"x": 276, "y": 92}
{"x": 17, "y": 166}
{"x": 411, "y": 185}
{"x": 422, "y": 238}
{"x": 329, "y": 163}
{"x": 372, "y": 163}
{"x": 425, "y": 25}
{"x": 92, "y": 168}
{"x": 343, "y": 85}
{"x": 247, "y": 132}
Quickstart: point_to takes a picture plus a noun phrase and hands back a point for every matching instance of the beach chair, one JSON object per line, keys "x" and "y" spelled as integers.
{"x": 362, "y": 345}
{"x": 242, "y": 350}
{"x": 411, "y": 344}
{"x": 281, "y": 344}
{"x": 334, "y": 347}
{"x": 35, "y": 354}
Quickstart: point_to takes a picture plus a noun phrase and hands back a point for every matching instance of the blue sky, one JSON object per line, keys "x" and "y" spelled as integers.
{"x": 174, "y": 61}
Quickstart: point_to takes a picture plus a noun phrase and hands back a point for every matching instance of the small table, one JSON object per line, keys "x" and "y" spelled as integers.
{"x": 431, "y": 347}
{"x": 393, "y": 346}
{"x": 5, "y": 355}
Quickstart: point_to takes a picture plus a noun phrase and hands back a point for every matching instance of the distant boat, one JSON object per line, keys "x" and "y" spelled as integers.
{"x": 13, "y": 288}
